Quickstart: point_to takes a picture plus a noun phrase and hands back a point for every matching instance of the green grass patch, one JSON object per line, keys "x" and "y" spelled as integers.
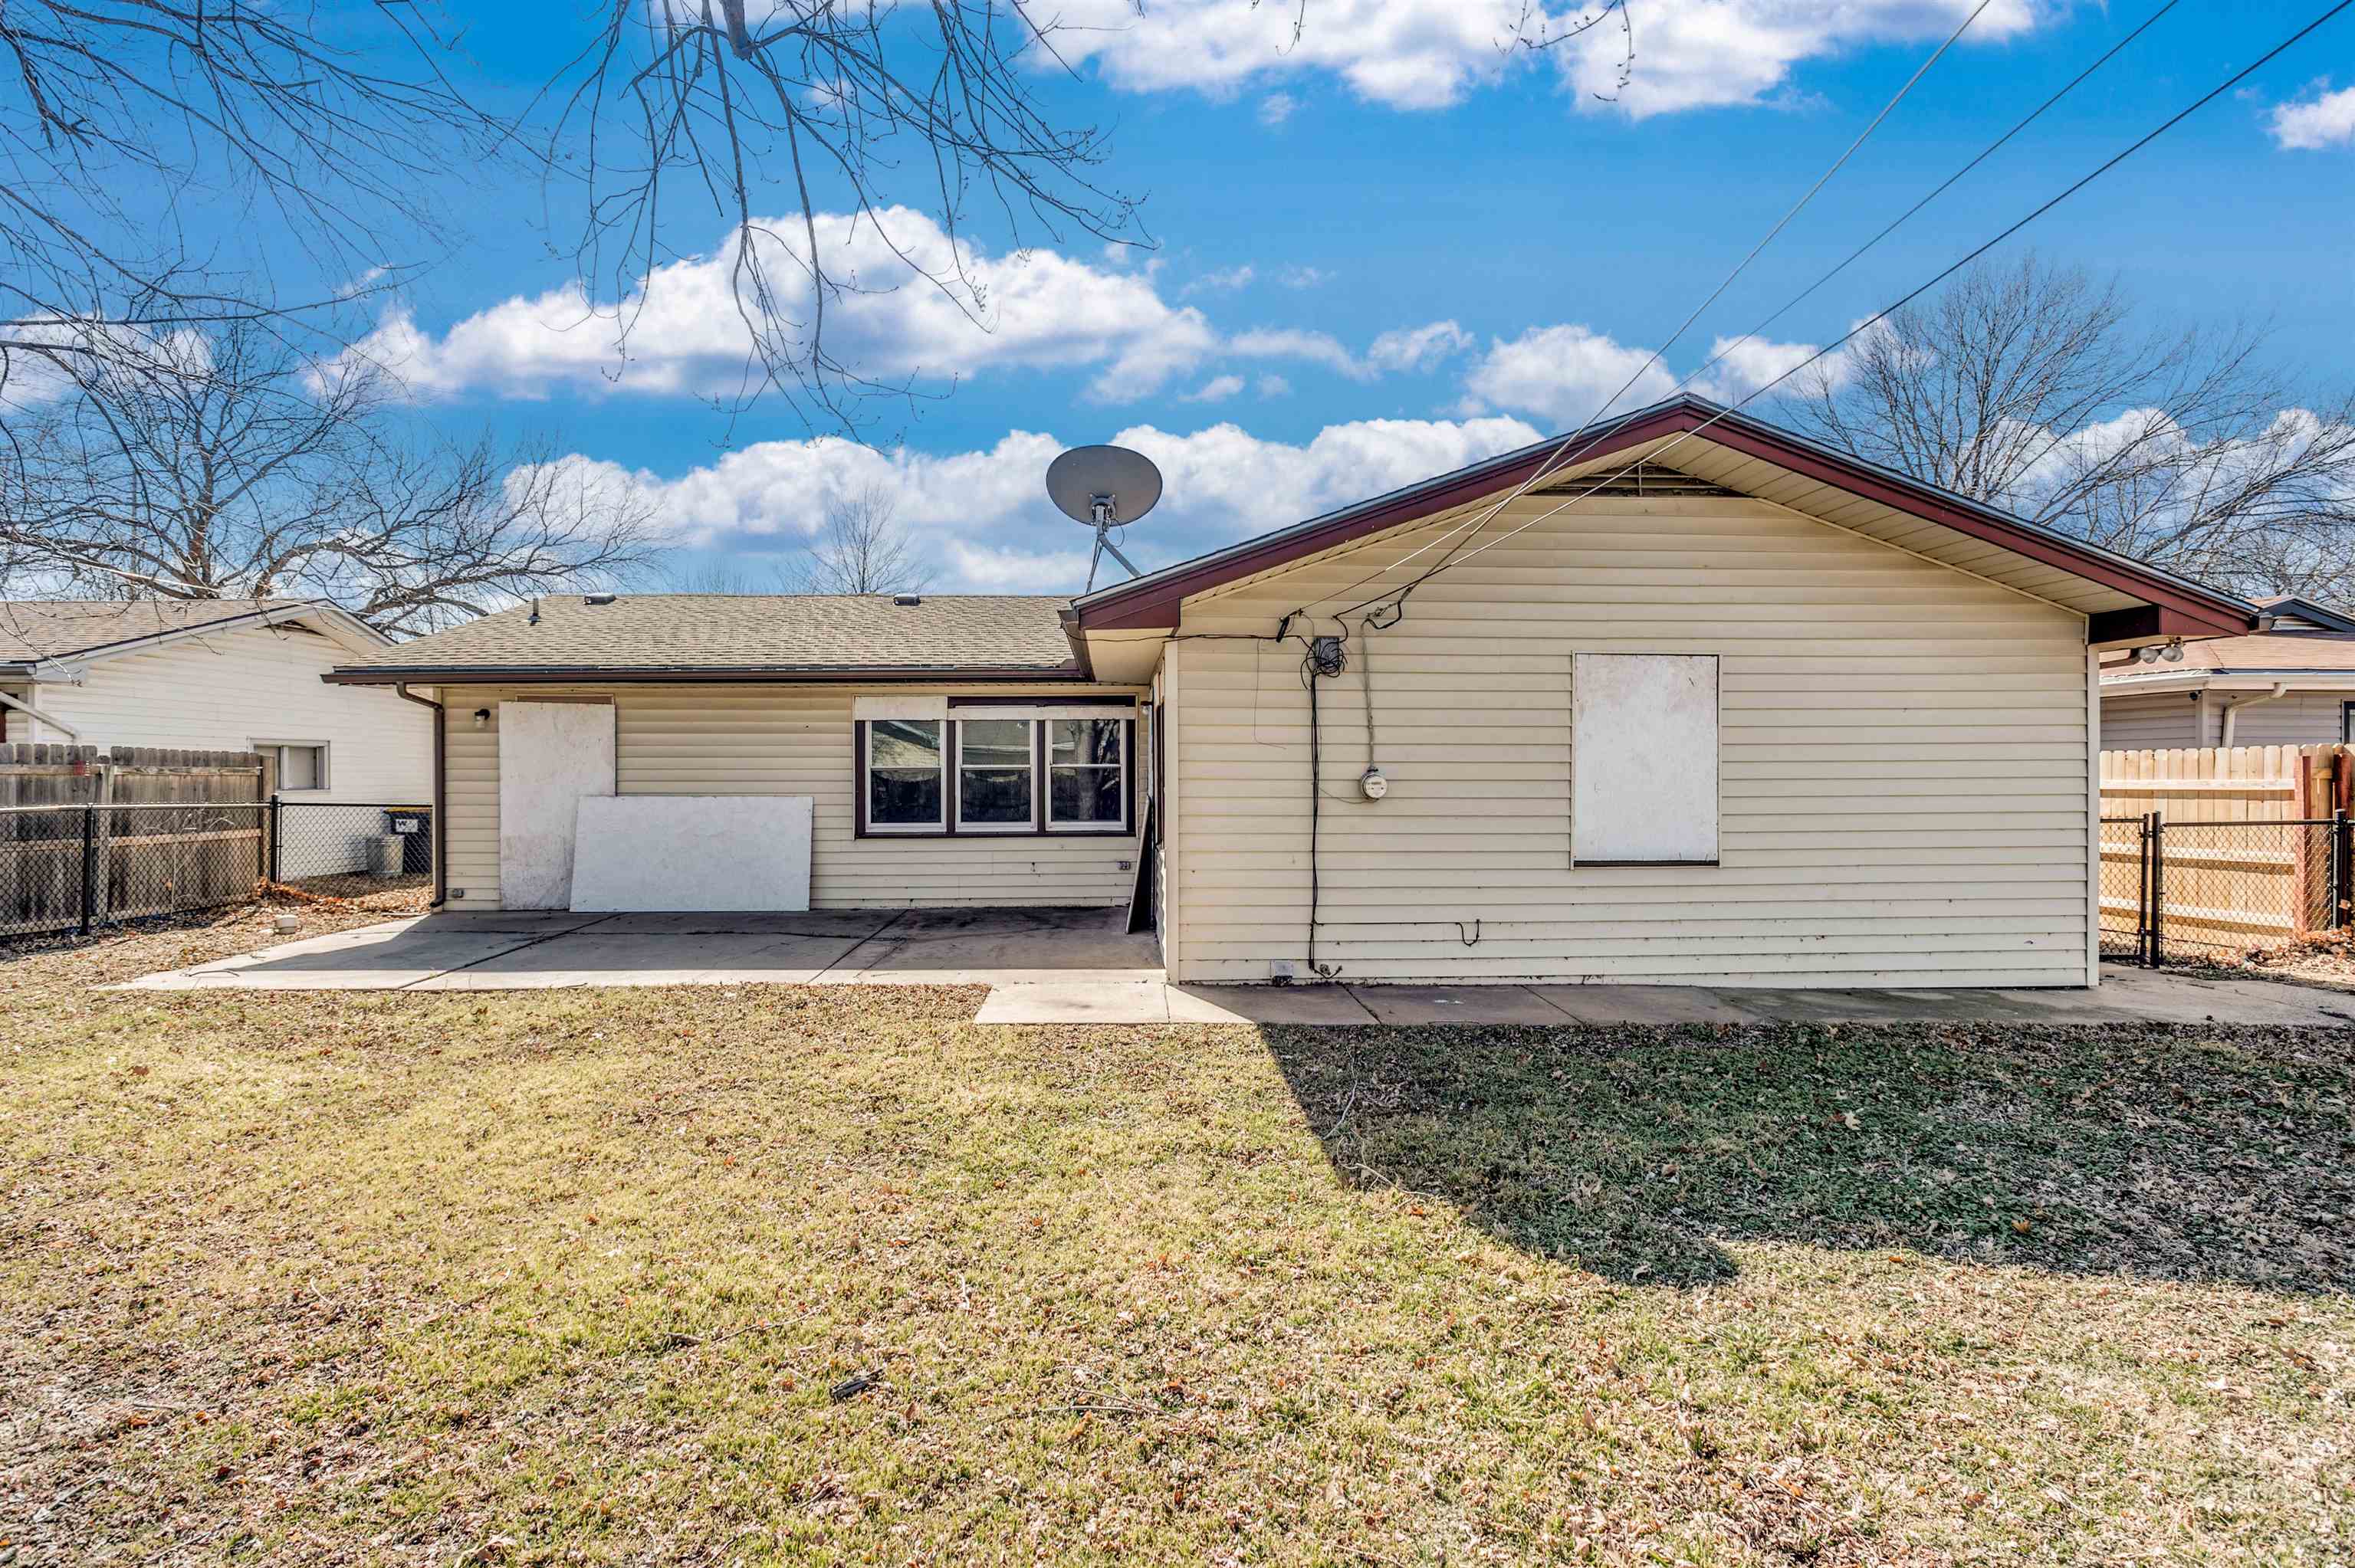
{"x": 819, "y": 1276}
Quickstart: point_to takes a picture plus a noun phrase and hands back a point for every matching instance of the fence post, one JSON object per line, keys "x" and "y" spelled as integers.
{"x": 2342, "y": 872}
{"x": 274, "y": 877}
{"x": 89, "y": 863}
{"x": 2158, "y": 890}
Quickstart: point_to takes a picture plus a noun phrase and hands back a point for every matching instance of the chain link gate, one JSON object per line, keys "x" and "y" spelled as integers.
{"x": 2174, "y": 889}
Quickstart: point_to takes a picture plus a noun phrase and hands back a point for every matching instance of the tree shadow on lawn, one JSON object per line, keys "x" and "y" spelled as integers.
{"x": 2146, "y": 1151}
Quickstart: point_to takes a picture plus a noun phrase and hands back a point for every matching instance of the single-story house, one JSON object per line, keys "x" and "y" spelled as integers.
{"x": 2290, "y": 685}
{"x": 219, "y": 675}
{"x": 1692, "y": 699}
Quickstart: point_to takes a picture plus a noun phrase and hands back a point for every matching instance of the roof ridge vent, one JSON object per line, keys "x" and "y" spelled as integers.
{"x": 906, "y": 599}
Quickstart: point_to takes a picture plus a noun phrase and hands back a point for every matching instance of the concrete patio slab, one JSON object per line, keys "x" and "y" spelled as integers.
{"x": 522, "y": 922}
{"x": 595, "y": 958}
{"x": 853, "y": 924}
{"x": 372, "y": 958}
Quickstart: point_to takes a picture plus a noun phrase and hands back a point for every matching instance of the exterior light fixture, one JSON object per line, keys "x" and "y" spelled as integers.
{"x": 482, "y": 718}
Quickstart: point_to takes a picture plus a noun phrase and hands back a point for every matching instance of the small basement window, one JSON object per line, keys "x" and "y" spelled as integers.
{"x": 1644, "y": 759}
{"x": 302, "y": 765}
{"x": 904, "y": 791}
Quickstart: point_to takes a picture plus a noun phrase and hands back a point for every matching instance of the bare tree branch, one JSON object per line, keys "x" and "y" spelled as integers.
{"x": 2031, "y": 387}
{"x": 862, "y": 548}
{"x": 225, "y": 465}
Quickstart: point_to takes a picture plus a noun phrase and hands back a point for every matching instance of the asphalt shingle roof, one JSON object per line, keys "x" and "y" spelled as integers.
{"x": 60, "y": 628}
{"x": 708, "y": 633}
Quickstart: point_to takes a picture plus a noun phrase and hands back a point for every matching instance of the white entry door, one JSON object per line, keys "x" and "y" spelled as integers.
{"x": 551, "y": 755}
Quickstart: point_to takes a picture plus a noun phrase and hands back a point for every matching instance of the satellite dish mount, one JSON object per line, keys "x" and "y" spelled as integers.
{"x": 1107, "y": 488}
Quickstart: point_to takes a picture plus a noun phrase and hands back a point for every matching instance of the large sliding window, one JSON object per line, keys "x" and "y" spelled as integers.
{"x": 984, "y": 771}
{"x": 904, "y": 793}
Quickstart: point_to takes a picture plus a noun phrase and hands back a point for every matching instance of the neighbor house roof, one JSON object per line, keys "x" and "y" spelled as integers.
{"x": 55, "y": 631}
{"x": 2323, "y": 658}
{"x": 2141, "y": 600}
{"x": 700, "y": 637}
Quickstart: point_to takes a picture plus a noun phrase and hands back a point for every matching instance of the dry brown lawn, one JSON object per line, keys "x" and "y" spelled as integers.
{"x": 833, "y": 1275}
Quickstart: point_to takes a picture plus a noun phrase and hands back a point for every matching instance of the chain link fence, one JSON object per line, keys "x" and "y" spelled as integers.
{"x": 79, "y": 867}
{"x": 379, "y": 854}
{"x": 2215, "y": 889}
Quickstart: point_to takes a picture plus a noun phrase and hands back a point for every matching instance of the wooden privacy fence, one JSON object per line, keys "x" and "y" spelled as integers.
{"x": 2218, "y": 849}
{"x": 88, "y": 836}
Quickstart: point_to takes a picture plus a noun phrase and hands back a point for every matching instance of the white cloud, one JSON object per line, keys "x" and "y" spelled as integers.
{"x": 1425, "y": 54}
{"x": 1745, "y": 365}
{"x": 984, "y": 516}
{"x": 1272, "y": 387}
{"x": 1304, "y": 276}
{"x": 1024, "y": 309}
{"x": 1276, "y": 108}
{"x": 2326, "y": 120}
{"x": 1298, "y": 343}
{"x": 1217, "y": 389}
{"x": 1418, "y": 348}
{"x": 1225, "y": 281}
{"x": 1562, "y": 374}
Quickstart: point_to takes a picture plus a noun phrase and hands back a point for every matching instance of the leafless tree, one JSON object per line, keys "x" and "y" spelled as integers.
{"x": 862, "y": 548}
{"x": 138, "y": 138}
{"x": 236, "y": 468}
{"x": 2032, "y": 387}
{"x": 801, "y": 125}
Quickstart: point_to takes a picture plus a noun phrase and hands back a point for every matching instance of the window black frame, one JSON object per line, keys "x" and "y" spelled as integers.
{"x": 951, "y": 750}
{"x": 865, "y": 804}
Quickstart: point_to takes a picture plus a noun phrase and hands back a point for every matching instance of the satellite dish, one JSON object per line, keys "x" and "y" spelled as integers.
{"x": 1106, "y": 488}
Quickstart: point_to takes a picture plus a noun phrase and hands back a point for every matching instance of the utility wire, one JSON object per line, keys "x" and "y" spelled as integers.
{"x": 1399, "y": 596}
{"x": 1555, "y": 458}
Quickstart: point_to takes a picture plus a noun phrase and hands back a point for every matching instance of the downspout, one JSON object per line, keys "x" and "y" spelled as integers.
{"x": 2232, "y": 711}
{"x": 441, "y": 770}
{"x": 25, "y": 708}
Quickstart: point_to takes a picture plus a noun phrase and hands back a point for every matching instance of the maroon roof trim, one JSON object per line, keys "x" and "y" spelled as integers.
{"x": 1152, "y": 602}
{"x": 586, "y": 676}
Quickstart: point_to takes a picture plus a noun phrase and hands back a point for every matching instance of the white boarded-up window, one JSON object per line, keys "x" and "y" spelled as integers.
{"x": 1643, "y": 757}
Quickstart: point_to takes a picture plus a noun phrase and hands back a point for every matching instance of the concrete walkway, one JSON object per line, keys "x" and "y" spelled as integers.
{"x": 1077, "y": 966}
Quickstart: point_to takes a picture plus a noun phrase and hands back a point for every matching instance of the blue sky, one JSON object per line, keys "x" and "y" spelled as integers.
{"x": 1393, "y": 248}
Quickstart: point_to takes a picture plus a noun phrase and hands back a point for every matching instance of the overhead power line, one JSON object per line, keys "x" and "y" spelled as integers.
{"x": 1551, "y": 463}
{"x": 1398, "y": 595}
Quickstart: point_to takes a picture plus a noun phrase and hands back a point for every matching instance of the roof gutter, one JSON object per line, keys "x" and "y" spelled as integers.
{"x": 511, "y": 675}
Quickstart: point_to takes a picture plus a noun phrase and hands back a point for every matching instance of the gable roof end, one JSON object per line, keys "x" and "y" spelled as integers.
{"x": 2170, "y": 606}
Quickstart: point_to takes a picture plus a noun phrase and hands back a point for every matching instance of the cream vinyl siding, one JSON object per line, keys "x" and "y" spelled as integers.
{"x": 1905, "y": 765}
{"x": 228, "y": 690}
{"x": 780, "y": 740}
{"x": 2150, "y": 722}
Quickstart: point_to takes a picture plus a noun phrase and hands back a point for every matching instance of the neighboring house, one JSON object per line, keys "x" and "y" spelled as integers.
{"x": 1752, "y": 713}
{"x": 2292, "y": 684}
{"x": 215, "y": 674}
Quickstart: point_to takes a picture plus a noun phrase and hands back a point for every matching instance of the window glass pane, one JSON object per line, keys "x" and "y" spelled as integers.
{"x": 1083, "y": 741}
{"x": 1085, "y": 794}
{"x": 994, "y": 743}
{"x": 903, "y": 795}
{"x": 903, "y": 743}
{"x": 993, "y": 796}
